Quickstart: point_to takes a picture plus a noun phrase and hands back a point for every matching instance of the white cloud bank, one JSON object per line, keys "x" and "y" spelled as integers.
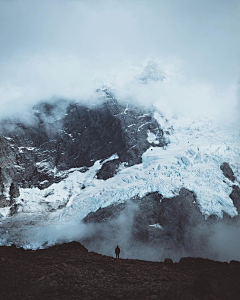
{"x": 69, "y": 48}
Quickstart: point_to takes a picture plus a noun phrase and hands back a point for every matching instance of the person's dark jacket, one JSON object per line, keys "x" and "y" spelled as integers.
{"x": 117, "y": 250}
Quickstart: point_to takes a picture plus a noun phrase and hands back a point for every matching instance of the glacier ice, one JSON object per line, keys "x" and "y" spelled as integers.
{"x": 192, "y": 160}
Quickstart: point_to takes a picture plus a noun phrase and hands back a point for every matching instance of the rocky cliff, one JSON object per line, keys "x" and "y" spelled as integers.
{"x": 133, "y": 176}
{"x": 65, "y": 135}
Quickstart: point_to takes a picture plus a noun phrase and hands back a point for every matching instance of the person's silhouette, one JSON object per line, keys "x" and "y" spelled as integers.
{"x": 117, "y": 251}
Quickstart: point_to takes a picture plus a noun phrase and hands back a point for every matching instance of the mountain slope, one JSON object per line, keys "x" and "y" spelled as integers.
{"x": 72, "y": 160}
{"x": 65, "y": 135}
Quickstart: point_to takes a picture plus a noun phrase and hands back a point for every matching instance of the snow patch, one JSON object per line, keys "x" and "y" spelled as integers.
{"x": 152, "y": 139}
{"x": 4, "y": 212}
{"x": 156, "y": 226}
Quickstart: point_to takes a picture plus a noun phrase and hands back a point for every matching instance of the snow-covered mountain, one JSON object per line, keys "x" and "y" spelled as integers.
{"x": 71, "y": 162}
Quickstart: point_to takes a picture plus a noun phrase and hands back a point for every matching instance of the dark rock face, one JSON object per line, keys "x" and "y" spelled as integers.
{"x": 13, "y": 192}
{"x": 65, "y": 135}
{"x": 227, "y": 171}
{"x": 8, "y": 172}
{"x": 235, "y": 196}
{"x": 19, "y": 168}
{"x": 93, "y": 134}
{"x": 109, "y": 169}
{"x": 153, "y": 220}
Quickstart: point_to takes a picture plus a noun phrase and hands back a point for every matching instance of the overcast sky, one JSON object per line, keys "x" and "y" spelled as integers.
{"x": 65, "y": 48}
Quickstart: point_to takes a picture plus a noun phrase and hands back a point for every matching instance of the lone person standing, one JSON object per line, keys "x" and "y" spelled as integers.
{"x": 117, "y": 252}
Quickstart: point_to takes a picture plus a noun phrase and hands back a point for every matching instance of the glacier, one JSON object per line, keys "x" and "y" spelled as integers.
{"x": 196, "y": 149}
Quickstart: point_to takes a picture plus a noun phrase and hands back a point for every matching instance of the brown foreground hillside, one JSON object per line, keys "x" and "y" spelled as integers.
{"x": 68, "y": 271}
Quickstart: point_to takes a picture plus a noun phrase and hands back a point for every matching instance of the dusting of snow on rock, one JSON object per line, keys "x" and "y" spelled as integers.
{"x": 192, "y": 160}
{"x": 156, "y": 226}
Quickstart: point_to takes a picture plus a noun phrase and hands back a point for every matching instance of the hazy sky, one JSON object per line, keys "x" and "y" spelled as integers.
{"x": 67, "y": 48}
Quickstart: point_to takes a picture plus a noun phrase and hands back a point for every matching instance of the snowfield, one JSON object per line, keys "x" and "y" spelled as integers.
{"x": 192, "y": 160}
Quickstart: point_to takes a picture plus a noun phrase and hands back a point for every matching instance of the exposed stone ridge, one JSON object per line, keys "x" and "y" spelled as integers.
{"x": 227, "y": 171}
{"x": 69, "y": 271}
{"x": 65, "y": 135}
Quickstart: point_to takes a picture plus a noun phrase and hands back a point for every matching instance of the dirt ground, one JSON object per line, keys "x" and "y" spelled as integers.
{"x": 69, "y": 271}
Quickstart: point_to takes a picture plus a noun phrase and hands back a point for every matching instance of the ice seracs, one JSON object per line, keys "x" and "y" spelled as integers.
{"x": 192, "y": 160}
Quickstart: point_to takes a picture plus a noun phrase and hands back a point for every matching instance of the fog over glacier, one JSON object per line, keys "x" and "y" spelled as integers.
{"x": 181, "y": 57}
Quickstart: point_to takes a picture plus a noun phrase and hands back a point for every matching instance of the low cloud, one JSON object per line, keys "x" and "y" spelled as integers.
{"x": 217, "y": 240}
{"x": 68, "y": 49}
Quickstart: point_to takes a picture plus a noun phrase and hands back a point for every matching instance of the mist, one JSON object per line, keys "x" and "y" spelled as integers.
{"x": 68, "y": 49}
{"x": 217, "y": 240}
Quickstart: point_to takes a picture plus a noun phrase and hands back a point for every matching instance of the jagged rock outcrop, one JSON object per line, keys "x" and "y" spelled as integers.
{"x": 65, "y": 135}
{"x": 227, "y": 171}
{"x": 108, "y": 169}
{"x": 8, "y": 171}
{"x": 235, "y": 196}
